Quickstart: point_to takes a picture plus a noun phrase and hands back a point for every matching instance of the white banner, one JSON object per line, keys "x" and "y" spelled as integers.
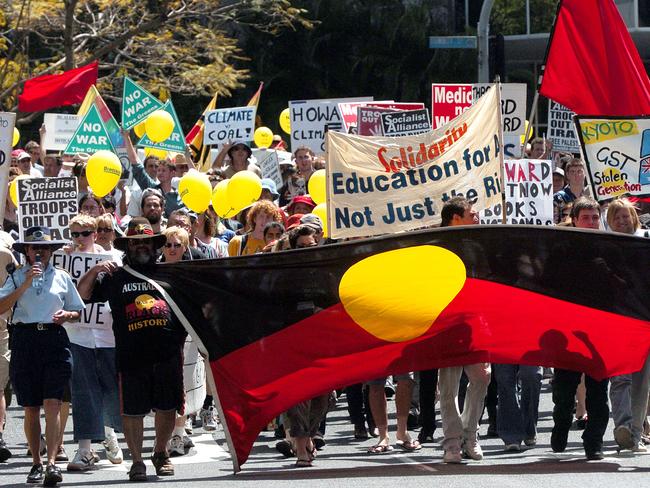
{"x": 561, "y": 129}
{"x": 235, "y": 124}
{"x": 528, "y": 190}
{"x": 59, "y": 129}
{"x": 379, "y": 185}
{"x": 311, "y": 119}
{"x": 617, "y": 155}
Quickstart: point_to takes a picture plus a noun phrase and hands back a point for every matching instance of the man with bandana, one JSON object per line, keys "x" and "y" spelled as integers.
{"x": 149, "y": 343}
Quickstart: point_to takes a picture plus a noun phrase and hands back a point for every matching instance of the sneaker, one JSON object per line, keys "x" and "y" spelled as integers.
{"x": 209, "y": 419}
{"x": 83, "y": 461}
{"x": 35, "y": 474}
{"x": 187, "y": 442}
{"x": 163, "y": 464}
{"x": 513, "y": 447}
{"x": 189, "y": 429}
{"x": 452, "y": 455}
{"x": 61, "y": 455}
{"x": 138, "y": 472}
{"x": 176, "y": 446}
{"x": 531, "y": 442}
{"x": 52, "y": 475}
{"x": 5, "y": 453}
{"x": 639, "y": 447}
{"x": 623, "y": 437}
{"x": 113, "y": 450}
{"x": 472, "y": 450}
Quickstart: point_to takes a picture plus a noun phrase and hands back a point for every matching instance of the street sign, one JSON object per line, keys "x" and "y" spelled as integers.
{"x": 452, "y": 42}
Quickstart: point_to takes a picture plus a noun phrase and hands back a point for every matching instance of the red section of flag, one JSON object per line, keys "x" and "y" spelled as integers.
{"x": 48, "y": 91}
{"x": 486, "y": 322}
{"x": 592, "y": 65}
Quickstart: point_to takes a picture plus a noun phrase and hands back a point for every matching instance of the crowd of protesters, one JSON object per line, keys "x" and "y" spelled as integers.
{"x": 112, "y": 375}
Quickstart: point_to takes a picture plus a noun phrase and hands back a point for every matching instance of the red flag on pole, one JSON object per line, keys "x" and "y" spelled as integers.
{"x": 592, "y": 64}
{"x": 49, "y": 91}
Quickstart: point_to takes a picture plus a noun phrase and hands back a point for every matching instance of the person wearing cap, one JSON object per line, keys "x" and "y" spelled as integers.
{"x": 24, "y": 161}
{"x": 41, "y": 363}
{"x": 558, "y": 179}
{"x": 149, "y": 342}
{"x": 239, "y": 154}
{"x": 301, "y": 204}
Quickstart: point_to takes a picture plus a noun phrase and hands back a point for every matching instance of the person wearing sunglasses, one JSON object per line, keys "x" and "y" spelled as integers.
{"x": 176, "y": 244}
{"x": 106, "y": 232}
{"x": 83, "y": 230}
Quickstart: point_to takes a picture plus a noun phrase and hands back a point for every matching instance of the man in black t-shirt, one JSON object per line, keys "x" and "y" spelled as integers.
{"x": 149, "y": 343}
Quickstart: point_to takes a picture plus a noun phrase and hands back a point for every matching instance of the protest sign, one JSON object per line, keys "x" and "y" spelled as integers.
{"x": 59, "y": 129}
{"x": 193, "y": 376}
{"x": 137, "y": 103}
{"x": 49, "y": 202}
{"x": 7, "y": 124}
{"x": 454, "y": 99}
{"x": 90, "y": 136}
{"x": 405, "y": 123}
{"x": 348, "y": 113}
{"x": 269, "y": 163}
{"x": 617, "y": 155}
{"x": 528, "y": 189}
{"x": 369, "y": 120}
{"x": 311, "y": 119}
{"x": 175, "y": 142}
{"x": 378, "y": 185}
{"x": 235, "y": 124}
{"x": 561, "y": 129}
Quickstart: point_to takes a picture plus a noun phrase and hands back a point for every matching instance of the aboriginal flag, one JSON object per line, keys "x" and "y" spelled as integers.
{"x": 284, "y": 327}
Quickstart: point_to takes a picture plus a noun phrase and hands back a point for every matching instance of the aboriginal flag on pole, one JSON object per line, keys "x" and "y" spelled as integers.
{"x": 200, "y": 152}
{"x": 284, "y": 327}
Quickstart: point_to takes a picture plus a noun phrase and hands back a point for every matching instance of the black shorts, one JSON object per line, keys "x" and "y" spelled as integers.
{"x": 41, "y": 364}
{"x": 157, "y": 386}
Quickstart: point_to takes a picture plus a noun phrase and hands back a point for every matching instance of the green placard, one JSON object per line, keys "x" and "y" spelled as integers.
{"x": 137, "y": 103}
{"x": 175, "y": 142}
{"x": 91, "y": 135}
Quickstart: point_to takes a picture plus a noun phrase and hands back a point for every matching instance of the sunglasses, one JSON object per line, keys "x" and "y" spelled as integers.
{"x": 104, "y": 229}
{"x": 84, "y": 233}
{"x": 175, "y": 245}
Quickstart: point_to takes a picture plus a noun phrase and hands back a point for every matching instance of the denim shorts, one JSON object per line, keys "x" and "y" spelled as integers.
{"x": 41, "y": 364}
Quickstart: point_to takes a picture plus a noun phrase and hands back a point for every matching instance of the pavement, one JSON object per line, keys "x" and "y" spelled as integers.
{"x": 344, "y": 462}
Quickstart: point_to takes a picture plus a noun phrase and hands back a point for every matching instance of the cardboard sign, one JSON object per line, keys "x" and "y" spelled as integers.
{"x": 59, "y": 129}
{"x": 528, "y": 189}
{"x": 617, "y": 154}
{"x": 405, "y": 123}
{"x": 235, "y": 124}
{"x": 49, "y": 202}
{"x": 91, "y": 135}
{"x": 175, "y": 142}
{"x": 561, "y": 129}
{"x": 7, "y": 123}
{"x": 311, "y": 119}
{"x": 269, "y": 163}
{"x": 369, "y": 120}
{"x": 137, "y": 103}
{"x": 379, "y": 185}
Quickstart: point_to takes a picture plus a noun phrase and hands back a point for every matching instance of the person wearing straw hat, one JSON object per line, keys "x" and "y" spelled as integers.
{"x": 149, "y": 341}
{"x": 42, "y": 298}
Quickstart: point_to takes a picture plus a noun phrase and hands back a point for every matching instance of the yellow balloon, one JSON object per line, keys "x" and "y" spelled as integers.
{"x": 139, "y": 129}
{"x": 285, "y": 120}
{"x": 316, "y": 186}
{"x": 220, "y": 201}
{"x": 159, "y": 126}
{"x": 103, "y": 172}
{"x": 263, "y": 137}
{"x": 244, "y": 189}
{"x": 321, "y": 211}
{"x": 16, "y": 137}
{"x": 152, "y": 151}
{"x": 13, "y": 188}
{"x": 195, "y": 190}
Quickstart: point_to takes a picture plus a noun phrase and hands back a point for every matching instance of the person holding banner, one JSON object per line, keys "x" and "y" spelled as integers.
{"x": 42, "y": 298}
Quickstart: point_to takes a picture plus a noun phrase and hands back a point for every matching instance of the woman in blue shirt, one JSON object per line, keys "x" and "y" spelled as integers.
{"x": 42, "y": 298}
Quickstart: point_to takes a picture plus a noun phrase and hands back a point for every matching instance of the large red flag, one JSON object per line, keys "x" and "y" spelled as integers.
{"x": 49, "y": 91}
{"x": 592, "y": 64}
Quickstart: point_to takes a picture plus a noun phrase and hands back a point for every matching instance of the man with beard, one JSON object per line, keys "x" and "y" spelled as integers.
{"x": 149, "y": 342}
{"x": 153, "y": 207}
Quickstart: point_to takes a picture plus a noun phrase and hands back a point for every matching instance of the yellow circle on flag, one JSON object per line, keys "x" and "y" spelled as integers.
{"x": 397, "y": 295}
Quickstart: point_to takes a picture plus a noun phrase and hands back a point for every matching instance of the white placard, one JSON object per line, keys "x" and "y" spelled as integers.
{"x": 235, "y": 124}
{"x": 59, "y": 129}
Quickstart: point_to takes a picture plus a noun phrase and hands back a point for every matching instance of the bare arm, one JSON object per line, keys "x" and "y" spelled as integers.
{"x": 10, "y": 300}
{"x": 86, "y": 283}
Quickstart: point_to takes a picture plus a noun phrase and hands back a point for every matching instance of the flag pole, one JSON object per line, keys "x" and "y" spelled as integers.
{"x": 540, "y": 78}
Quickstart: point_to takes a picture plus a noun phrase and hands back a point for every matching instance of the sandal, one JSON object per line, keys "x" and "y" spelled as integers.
{"x": 285, "y": 448}
{"x": 163, "y": 464}
{"x": 409, "y": 445}
{"x": 303, "y": 463}
{"x": 380, "y": 449}
{"x": 138, "y": 472}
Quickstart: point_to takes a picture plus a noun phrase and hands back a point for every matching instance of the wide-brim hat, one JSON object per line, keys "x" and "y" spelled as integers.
{"x": 39, "y": 236}
{"x": 139, "y": 228}
{"x": 240, "y": 144}
{"x": 269, "y": 184}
